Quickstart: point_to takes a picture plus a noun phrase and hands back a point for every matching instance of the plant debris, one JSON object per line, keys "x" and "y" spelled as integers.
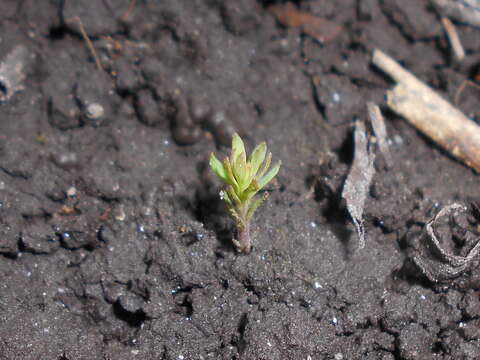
{"x": 358, "y": 180}
{"x": 12, "y": 72}
{"x": 430, "y": 113}
{"x": 452, "y": 265}
{"x": 467, "y": 11}
{"x": 318, "y": 28}
{"x": 380, "y": 131}
{"x": 454, "y": 39}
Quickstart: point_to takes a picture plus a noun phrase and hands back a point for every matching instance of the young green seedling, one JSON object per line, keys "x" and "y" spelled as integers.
{"x": 244, "y": 179}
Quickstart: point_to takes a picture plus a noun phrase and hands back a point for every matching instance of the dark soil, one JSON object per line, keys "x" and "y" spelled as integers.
{"x": 114, "y": 243}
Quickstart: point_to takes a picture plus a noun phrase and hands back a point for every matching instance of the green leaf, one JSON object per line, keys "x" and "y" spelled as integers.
{"x": 265, "y": 167}
{"x": 231, "y": 178}
{"x": 218, "y": 168}
{"x": 253, "y": 187}
{"x": 239, "y": 167}
{"x": 255, "y": 205}
{"x": 257, "y": 157}
{"x": 238, "y": 148}
{"x": 233, "y": 195}
{"x": 269, "y": 176}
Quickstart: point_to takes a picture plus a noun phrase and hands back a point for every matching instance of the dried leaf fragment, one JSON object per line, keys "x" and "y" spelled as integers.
{"x": 356, "y": 186}
{"x": 452, "y": 265}
{"x": 318, "y": 28}
{"x": 13, "y": 72}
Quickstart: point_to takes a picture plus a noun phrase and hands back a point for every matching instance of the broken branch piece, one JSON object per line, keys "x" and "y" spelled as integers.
{"x": 430, "y": 113}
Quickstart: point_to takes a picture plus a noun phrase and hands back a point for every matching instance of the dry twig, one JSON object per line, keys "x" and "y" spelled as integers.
{"x": 378, "y": 125}
{"x": 430, "y": 113}
{"x": 453, "y": 38}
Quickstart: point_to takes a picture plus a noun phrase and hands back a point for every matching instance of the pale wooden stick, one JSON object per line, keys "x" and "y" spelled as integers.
{"x": 430, "y": 113}
{"x": 453, "y": 38}
{"x": 380, "y": 131}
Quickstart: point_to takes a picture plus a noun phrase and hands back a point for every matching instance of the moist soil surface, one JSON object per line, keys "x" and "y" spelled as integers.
{"x": 114, "y": 243}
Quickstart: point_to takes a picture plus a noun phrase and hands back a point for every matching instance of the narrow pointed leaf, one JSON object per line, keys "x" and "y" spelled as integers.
{"x": 231, "y": 178}
{"x": 233, "y": 196}
{"x": 265, "y": 167}
{"x": 239, "y": 170}
{"x": 218, "y": 169}
{"x": 257, "y": 157}
{"x": 253, "y": 187}
{"x": 255, "y": 205}
{"x": 237, "y": 148}
{"x": 269, "y": 176}
{"x": 247, "y": 177}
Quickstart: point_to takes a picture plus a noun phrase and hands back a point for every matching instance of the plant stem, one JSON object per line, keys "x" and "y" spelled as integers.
{"x": 244, "y": 241}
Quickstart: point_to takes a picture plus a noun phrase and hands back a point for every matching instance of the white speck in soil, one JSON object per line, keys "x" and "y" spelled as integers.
{"x": 180, "y": 80}
{"x": 95, "y": 111}
{"x": 317, "y": 285}
{"x": 338, "y": 356}
{"x": 422, "y": 297}
{"x": 71, "y": 191}
{"x": 313, "y": 224}
{"x": 269, "y": 344}
{"x": 336, "y": 97}
{"x": 2, "y": 185}
{"x": 119, "y": 213}
{"x": 334, "y": 321}
{"x": 135, "y": 352}
{"x": 174, "y": 291}
{"x": 398, "y": 140}
{"x": 180, "y": 357}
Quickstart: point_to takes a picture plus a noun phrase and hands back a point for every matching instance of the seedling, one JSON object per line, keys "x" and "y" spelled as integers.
{"x": 244, "y": 179}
